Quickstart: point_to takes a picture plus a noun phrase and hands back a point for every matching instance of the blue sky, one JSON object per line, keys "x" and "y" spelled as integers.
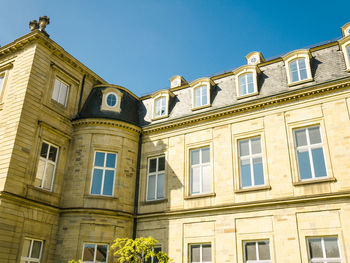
{"x": 141, "y": 44}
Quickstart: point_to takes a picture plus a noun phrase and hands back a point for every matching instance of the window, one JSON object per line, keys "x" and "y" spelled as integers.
{"x": 200, "y": 96}
{"x": 47, "y": 166}
{"x": 298, "y": 70}
{"x": 200, "y": 253}
{"x": 93, "y": 253}
{"x": 257, "y": 252}
{"x": 1, "y": 82}
{"x": 310, "y": 155}
{"x": 324, "y": 250}
{"x": 246, "y": 84}
{"x": 155, "y": 180}
{"x": 154, "y": 259}
{"x": 32, "y": 250}
{"x": 60, "y": 92}
{"x": 103, "y": 173}
{"x": 160, "y": 107}
{"x": 251, "y": 162}
{"x": 347, "y": 51}
{"x": 111, "y": 100}
{"x": 200, "y": 171}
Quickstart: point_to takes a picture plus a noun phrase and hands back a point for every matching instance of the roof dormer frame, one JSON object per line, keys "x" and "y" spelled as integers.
{"x": 245, "y": 71}
{"x": 177, "y": 81}
{"x": 344, "y": 45}
{"x": 167, "y": 95}
{"x": 205, "y": 85}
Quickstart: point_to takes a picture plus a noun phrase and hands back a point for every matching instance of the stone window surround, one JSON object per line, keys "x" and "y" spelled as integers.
{"x": 105, "y": 93}
{"x": 4, "y": 72}
{"x": 155, "y": 173}
{"x": 242, "y": 71}
{"x": 161, "y": 94}
{"x": 206, "y": 82}
{"x": 344, "y": 44}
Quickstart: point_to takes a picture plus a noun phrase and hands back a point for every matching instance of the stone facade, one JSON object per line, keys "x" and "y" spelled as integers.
{"x": 285, "y": 211}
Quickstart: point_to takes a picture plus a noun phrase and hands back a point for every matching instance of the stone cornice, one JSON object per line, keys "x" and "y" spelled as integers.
{"x": 107, "y": 123}
{"x": 274, "y": 100}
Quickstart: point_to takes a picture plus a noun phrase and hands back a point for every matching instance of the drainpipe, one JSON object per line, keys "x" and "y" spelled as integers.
{"x": 136, "y": 204}
{"x": 81, "y": 92}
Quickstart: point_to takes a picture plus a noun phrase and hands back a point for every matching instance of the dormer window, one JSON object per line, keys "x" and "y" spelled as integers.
{"x": 201, "y": 93}
{"x": 161, "y": 102}
{"x": 246, "y": 81}
{"x": 246, "y": 84}
{"x": 111, "y": 99}
{"x": 160, "y": 107}
{"x": 344, "y": 44}
{"x": 298, "y": 68}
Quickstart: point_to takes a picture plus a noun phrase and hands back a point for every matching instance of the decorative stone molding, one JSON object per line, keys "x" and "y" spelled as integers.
{"x": 105, "y": 123}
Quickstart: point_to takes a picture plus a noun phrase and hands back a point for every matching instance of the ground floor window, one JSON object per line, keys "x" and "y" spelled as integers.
{"x": 257, "y": 252}
{"x": 93, "y": 253}
{"x": 200, "y": 253}
{"x": 32, "y": 250}
{"x": 154, "y": 259}
{"x": 324, "y": 250}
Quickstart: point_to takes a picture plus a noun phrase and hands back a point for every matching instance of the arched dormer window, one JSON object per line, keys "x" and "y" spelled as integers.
{"x": 161, "y": 104}
{"x": 201, "y": 93}
{"x": 246, "y": 81}
{"x": 298, "y": 68}
{"x": 345, "y": 44}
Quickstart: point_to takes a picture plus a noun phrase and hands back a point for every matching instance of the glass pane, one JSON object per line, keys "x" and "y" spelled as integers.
{"x": 331, "y": 246}
{"x": 300, "y": 137}
{"x": 206, "y": 181}
{"x": 319, "y": 164}
{"x": 250, "y": 78}
{"x": 303, "y": 74}
{"x": 197, "y": 97}
{"x": 242, "y": 90}
{"x": 314, "y": 134}
{"x": 99, "y": 159}
{"x": 36, "y": 249}
{"x": 244, "y": 148}
{"x": 152, "y": 165}
{"x": 160, "y": 186}
{"x": 246, "y": 179}
{"x": 293, "y": 66}
{"x": 158, "y": 107}
{"x": 26, "y": 248}
{"x": 194, "y": 157}
{"x": 56, "y": 89}
{"x": 315, "y": 248}
{"x": 96, "y": 181}
{"x": 195, "y": 180}
{"x": 256, "y": 145}
{"x": 63, "y": 94}
{"x": 295, "y": 76}
{"x": 53, "y": 153}
{"x": 206, "y": 253}
{"x": 111, "y": 157}
{"x": 108, "y": 182}
{"x": 204, "y": 96}
{"x": 250, "y": 251}
{"x": 195, "y": 253}
{"x": 111, "y": 100}
{"x": 49, "y": 176}
{"x": 151, "y": 187}
{"x": 258, "y": 171}
{"x": 89, "y": 250}
{"x": 101, "y": 253}
{"x": 301, "y": 63}
{"x": 157, "y": 249}
{"x": 161, "y": 163}
{"x": 44, "y": 149}
{"x": 205, "y": 155}
{"x": 264, "y": 250}
{"x": 40, "y": 170}
{"x": 304, "y": 165}
{"x": 250, "y": 87}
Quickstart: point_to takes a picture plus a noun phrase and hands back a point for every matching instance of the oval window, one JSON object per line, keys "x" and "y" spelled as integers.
{"x": 111, "y": 100}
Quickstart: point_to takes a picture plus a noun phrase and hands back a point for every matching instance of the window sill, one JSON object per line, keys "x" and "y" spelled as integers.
{"x": 42, "y": 190}
{"x": 315, "y": 181}
{"x": 159, "y": 117}
{"x": 201, "y": 107}
{"x": 199, "y": 196}
{"x": 253, "y": 188}
{"x": 300, "y": 82}
{"x": 154, "y": 202}
{"x": 90, "y": 196}
{"x": 247, "y": 95}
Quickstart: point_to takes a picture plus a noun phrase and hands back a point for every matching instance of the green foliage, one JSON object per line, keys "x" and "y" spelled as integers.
{"x": 127, "y": 250}
{"x": 74, "y": 261}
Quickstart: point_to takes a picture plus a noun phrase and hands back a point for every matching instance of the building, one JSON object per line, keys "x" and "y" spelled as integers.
{"x": 247, "y": 166}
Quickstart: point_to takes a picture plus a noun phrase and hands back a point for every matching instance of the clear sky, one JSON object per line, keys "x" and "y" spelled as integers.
{"x": 141, "y": 44}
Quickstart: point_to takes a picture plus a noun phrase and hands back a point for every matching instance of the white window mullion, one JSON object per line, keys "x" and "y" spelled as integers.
{"x": 251, "y": 162}
{"x": 246, "y": 84}
{"x": 257, "y": 251}
{"x": 298, "y": 69}
{"x": 310, "y": 153}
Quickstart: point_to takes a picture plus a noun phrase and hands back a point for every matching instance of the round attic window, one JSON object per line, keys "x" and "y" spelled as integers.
{"x": 111, "y": 100}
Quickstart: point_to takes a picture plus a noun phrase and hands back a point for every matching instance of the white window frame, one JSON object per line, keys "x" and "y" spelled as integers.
{"x": 345, "y": 47}
{"x": 116, "y": 99}
{"x": 61, "y": 82}
{"x": 297, "y": 62}
{"x": 46, "y": 160}
{"x": 309, "y": 147}
{"x": 201, "y": 166}
{"x": 202, "y": 83}
{"x": 200, "y": 251}
{"x": 256, "y": 252}
{"x": 28, "y": 259}
{"x": 295, "y": 55}
{"x": 324, "y": 259}
{"x": 162, "y": 106}
{"x": 104, "y": 168}
{"x": 251, "y": 157}
{"x": 95, "y": 249}
{"x": 156, "y": 173}
{"x": 202, "y": 89}
{"x": 243, "y": 72}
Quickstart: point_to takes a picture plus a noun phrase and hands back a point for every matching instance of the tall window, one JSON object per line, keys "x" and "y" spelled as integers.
{"x": 47, "y": 166}
{"x": 155, "y": 180}
{"x": 160, "y": 107}
{"x": 201, "y": 96}
{"x": 95, "y": 253}
{"x": 257, "y": 252}
{"x": 298, "y": 70}
{"x": 200, "y": 171}
{"x": 200, "y": 253}
{"x": 324, "y": 250}
{"x": 32, "y": 250}
{"x": 1, "y": 82}
{"x": 251, "y": 163}
{"x": 103, "y": 173}
{"x": 309, "y": 149}
{"x": 246, "y": 84}
{"x": 154, "y": 259}
{"x": 347, "y": 50}
{"x": 60, "y": 92}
